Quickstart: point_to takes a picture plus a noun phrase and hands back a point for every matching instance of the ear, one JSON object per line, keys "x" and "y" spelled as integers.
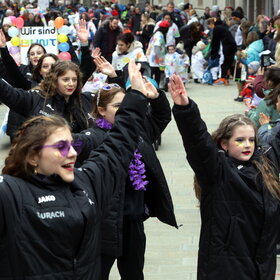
{"x": 33, "y": 159}
{"x": 224, "y": 145}
{"x": 101, "y": 111}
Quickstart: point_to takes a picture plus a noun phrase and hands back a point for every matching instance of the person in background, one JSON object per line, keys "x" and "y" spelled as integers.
{"x": 106, "y": 37}
{"x": 237, "y": 184}
{"x": 156, "y": 50}
{"x": 127, "y": 48}
{"x": 147, "y": 28}
{"x": 135, "y": 22}
{"x": 198, "y": 62}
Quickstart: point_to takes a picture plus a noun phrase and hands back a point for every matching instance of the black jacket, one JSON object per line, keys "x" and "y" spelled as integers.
{"x": 129, "y": 203}
{"x": 102, "y": 38}
{"x": 32, "y": 103}
{"x": 50, "y": 229}
{"x": 239, "y": 217}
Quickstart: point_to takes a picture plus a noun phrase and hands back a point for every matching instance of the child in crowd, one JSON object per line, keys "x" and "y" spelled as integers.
{"x": 175, "y": 63}
{"x": 247, "y": 91}
{"x": 237, "y": 184}
{"x": 198, "y": 61}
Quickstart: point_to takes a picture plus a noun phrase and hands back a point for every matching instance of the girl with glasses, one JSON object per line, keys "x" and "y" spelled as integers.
{"x": 50, "y": 212}
{"x": 144, "y": 190}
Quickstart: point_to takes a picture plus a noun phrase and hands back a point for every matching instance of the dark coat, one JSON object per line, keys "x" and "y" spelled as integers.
{"x": 50, "y": 229}
{"x": 102, "y": 39}
{"x": 239, "y": 217}
{"x": 32, "y": 103}
{"x": 128, "y": 202}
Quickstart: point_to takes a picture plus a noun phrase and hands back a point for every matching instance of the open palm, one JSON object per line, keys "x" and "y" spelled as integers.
{"x": 177, "y": 89}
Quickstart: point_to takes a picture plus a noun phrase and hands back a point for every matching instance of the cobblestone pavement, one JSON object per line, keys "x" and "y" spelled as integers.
{"x": 172, "y": 253}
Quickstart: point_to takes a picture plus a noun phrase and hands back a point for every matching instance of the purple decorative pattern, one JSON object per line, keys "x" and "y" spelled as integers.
{"x": 137, "y": 169}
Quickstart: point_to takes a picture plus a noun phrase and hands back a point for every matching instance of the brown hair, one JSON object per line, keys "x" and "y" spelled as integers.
{"x": 224, "y": 132}
{"x": 49, "y": 85}
{"x": 103, "y": 98}
{"x": 28, "y": 141}
{"x": 251, "y": 37}
{"x": 36, "y": 76}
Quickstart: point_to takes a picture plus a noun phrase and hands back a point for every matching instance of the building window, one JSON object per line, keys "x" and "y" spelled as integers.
{"x": 199, "y": 2}
{"x": 215, "y": 2}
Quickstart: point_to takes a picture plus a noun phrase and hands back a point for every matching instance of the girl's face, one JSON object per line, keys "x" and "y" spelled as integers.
{"x": 123, "y": 47}
{"x": 241, "y": 145}
{"x": 46, "y": 66}
{"x": 167, "y": 18}
{"x": 50, "y": 161}
{"x": 67, "y": 83}
{"x": 109, "y": 112}
{"x": 171, "y": 50}
{"x": 35, "y": 53}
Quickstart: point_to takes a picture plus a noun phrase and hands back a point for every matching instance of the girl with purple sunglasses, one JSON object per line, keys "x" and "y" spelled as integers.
{"x": 50, "y": 212}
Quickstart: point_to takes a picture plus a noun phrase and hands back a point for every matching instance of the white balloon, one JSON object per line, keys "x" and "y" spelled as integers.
{"x": 64, "y": 30}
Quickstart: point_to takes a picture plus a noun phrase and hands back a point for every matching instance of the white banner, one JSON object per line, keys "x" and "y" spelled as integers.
{"x": 44, "y": 35}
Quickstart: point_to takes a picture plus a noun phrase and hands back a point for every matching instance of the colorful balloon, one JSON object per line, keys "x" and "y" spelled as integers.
{"x": 13, "y": 50}
{"x": 15, "y": 41}
{"x": 64, "y": 30}
{"x": 64, "y": 56}
{"x": 58, "y": 22}
{"x": 63, "y": 47}
{"x": 13, "y": 31}
{"x": 19, "y": 22}
{"x": 62, "y": 38}
{"x": 12, "y": 18}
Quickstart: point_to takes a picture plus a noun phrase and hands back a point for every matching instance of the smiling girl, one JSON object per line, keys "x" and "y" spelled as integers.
{"x": 237, "y": 184}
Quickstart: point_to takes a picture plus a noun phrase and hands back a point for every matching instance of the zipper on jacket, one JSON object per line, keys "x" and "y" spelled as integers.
{"x": 74, "y": 268}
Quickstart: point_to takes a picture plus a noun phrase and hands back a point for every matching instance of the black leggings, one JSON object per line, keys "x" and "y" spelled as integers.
{"x": 131, "y": 263}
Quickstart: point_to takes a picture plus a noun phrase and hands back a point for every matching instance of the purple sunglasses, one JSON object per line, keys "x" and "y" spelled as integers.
{"x": 64, "y": 146}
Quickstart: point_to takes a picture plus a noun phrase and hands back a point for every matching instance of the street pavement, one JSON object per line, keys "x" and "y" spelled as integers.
{"x": 172, "y": 253}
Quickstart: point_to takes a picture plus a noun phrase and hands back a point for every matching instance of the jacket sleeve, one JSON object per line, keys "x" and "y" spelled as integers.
{"x": 98, "y": 39}
{"x": 87, "y": 65}
{"x": 158, "y": 116}
{"x": 259, "y": 86}
{"x": 18, "y": 100}
{"x": 107, "y": 165}
{"x": 267, "y": 133}
{"x": 16, "y": 77}
{"x": 202, "y": 152}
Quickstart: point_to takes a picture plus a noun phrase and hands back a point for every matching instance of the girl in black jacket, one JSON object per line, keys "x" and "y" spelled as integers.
{"x": 237, "y": 183}
{"x": 145, "y": 192}
{"x": 50, "y": 212}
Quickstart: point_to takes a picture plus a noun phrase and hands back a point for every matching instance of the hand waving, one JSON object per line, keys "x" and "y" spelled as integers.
{"x": 136, "y": 78}
{"x": 83, "y": 31}
{"x": 104, "y": 66}
{"x": 152, "y": 92}
{"x": 177, "y": 89}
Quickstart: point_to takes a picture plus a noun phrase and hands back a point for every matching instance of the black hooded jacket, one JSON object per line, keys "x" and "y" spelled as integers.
{"x": 239, "y": 216}
{"x": 50, "y": 229}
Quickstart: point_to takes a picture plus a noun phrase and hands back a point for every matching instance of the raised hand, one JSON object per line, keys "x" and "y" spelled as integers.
{"x": 136, "y": 78}
{"x": 104, "y": 66}
{"x": 96, "y": 52}
{"x": 177, "y": 89}
{"x": 83, "y": 31}
{"x": 264, "y": 119}
{"x": 152, "y": 92}
{"x": 2, "y": 39}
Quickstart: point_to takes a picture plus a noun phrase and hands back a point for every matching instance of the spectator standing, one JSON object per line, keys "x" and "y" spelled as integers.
{"x": 135, "y": 22}
{"x": 147, "y": 28}
{"x": 106, "y": 37}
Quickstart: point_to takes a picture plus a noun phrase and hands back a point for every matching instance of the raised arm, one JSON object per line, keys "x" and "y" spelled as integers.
{"x": 202, "y": 152}
{"x": 108, "y": 164}
{"x": 16, "y": 77}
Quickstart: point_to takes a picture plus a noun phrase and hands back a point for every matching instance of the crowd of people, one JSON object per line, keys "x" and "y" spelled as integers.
{"x": 82, "y": 174}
